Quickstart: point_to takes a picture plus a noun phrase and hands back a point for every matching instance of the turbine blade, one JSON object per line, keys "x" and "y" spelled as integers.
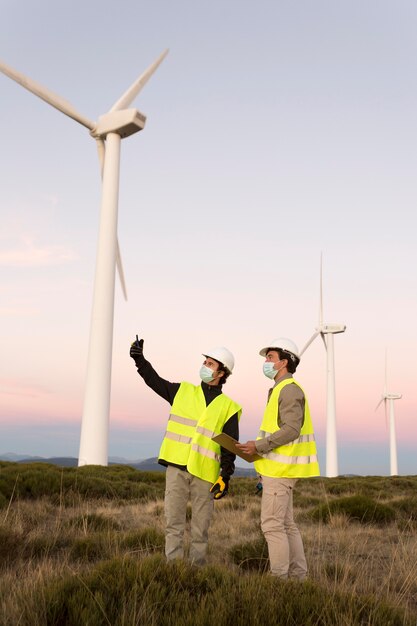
{"x": 379, "y": 404}
{"x": 48, "y": 96}
{"x": 310, "y": 341}
{"x": 385, "y": 381}
{"x": 386, "y": 416}
{"x": 324, "y": 340}
{"x": 321, "y": 292}
{"x": 129, "y": 95}
{"x": 101, "y": 151}
{"x": 120, "y": 271}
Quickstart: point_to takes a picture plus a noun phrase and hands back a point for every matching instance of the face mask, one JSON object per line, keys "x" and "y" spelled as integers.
{"x": 206, "y": 374}
{"x": 269, "y": 370}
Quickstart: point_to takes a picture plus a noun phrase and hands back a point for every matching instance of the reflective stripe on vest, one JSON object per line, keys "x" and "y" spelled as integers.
{"x": 190, "y": 428}
{"x": 205, "y": 452}
{"x": 182, "y": 420}
{"x": 176, "y": 437}
{"x": 296, "y": 459}
{"x": 290, "y": 460}
{"x": 301, "y": 438}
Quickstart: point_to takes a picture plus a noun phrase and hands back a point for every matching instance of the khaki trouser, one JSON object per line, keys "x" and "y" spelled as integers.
{"x": 180, "y": 488}
{"x": 285, "y": 546}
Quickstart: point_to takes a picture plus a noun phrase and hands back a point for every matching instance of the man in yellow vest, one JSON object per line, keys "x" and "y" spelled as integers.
{"x": 288, "y": 452}
{"x": 198, "y": 469}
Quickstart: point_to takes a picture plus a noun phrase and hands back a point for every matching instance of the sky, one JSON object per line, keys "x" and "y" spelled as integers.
{"x": 277, "y": 133}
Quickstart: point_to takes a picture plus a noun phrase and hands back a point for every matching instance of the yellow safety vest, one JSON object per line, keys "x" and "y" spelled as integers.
{"x": 191, "y": 425}
{"x": 297, "y": 459}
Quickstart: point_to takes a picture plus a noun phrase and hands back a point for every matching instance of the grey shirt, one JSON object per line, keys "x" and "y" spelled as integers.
{"x": 290, "y": 417}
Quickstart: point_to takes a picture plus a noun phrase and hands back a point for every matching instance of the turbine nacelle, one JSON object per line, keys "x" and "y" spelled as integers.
{"x": 331, "y": 328}
{"x": 125, "y": 123}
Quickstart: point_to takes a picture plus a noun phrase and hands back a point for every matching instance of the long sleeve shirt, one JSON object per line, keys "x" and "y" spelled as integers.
{"x": 167, "y": 390}
{"x": 290, "y": 417}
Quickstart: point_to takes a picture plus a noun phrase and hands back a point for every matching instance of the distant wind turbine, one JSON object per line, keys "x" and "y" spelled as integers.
{"x": 326, "y": 331}
{"x": 119, "y": 122}
{"x": 390, "y": 397}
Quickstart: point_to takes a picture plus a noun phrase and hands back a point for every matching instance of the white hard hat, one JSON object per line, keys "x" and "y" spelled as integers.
{"x": 223, "y": 355}
{"x": 283, "y": 344}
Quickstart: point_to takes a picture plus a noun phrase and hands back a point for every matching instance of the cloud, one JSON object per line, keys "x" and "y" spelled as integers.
{"x": 10, "y": 387}
{"x": 31, "y": 254}
{"x": 18, "y": 311}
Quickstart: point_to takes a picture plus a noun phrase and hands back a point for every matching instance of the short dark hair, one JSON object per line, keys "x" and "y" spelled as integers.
{"x": 292, "y": 360}
{"x": 226, "y": 372}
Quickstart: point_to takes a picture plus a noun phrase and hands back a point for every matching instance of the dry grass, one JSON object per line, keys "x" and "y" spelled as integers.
{"x": 41, "y": 541}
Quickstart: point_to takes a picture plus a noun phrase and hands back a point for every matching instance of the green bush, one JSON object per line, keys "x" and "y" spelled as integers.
{"x": 67, "y": 485}
{"x": 148, "y": 539}
{"x": 10, "y": 544}
{"x": 151, "y": 592}
{"x": 16, "y": 546}
{"x": 102, "y": 546}
{"x": 45, "y": 547}
{"x": 252, "y": 555}
{"x": 408, "y": 508}
{"x": 304, "y": 502}
{"x": 242, "y": 486}
{"x": 93, "y": 522}
{"x": 358, "y": 508}
{"x": 95, "y": 547}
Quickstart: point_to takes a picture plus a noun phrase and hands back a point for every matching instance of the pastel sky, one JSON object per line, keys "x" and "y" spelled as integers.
{"x": 277, "y": 131}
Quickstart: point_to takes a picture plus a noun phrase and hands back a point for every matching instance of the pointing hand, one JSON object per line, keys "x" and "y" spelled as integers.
{"x": 136, "y": 349}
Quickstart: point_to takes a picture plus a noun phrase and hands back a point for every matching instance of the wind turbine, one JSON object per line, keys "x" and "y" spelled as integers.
{"x": 390, "y": 397}
{"x": 119, "y": 122}
{"x": 327, "y": 332}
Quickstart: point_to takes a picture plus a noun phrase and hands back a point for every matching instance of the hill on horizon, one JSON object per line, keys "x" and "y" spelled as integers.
{"x": 145, "y": 465}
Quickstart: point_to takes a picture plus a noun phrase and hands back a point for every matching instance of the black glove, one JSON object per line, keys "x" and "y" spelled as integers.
{"x": 220, "y": 487}
{"x": 136, "y": 349}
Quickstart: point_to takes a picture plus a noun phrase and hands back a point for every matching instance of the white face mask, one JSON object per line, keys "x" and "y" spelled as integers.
{"x": 206, "y": 374}
{"x": 269, "y": 370}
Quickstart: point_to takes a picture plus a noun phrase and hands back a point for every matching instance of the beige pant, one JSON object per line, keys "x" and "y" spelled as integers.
{"x": 285, "y": 546}
{"x": 180, "y": 488}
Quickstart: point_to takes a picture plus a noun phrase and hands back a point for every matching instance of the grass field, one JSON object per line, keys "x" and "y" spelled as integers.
{"x": 84, "y": 546}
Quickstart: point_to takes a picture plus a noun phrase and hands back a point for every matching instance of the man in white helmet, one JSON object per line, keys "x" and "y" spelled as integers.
{"x": 198, "y": 469}
{"x": 288, "y": 452}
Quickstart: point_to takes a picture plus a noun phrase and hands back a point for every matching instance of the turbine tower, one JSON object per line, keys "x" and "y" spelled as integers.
{"x": 119, "y": 122}
{"x": 327, "y": 332}
{"x": 390, "y": 397}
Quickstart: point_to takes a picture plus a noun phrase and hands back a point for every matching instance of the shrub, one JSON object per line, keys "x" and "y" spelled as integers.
{"x": 92, "y": 548}
{"x": 408, "y": 506}
{"x": 252, "y": 555}
{"x": 304, "y": 502}
{"x": 152, "y": 592}
{"x": 15, "y": 546}
{"x": 66, "y": 485}
{"x": 93, "y": 522}
{"x": 146, "y": 539}
{"x": 102, "y": 546}
{"x": 10, "y": 544}
{"x": 358, "y": 508}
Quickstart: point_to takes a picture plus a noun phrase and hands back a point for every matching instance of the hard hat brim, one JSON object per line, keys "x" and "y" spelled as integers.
{"x": 264, "y": 351}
